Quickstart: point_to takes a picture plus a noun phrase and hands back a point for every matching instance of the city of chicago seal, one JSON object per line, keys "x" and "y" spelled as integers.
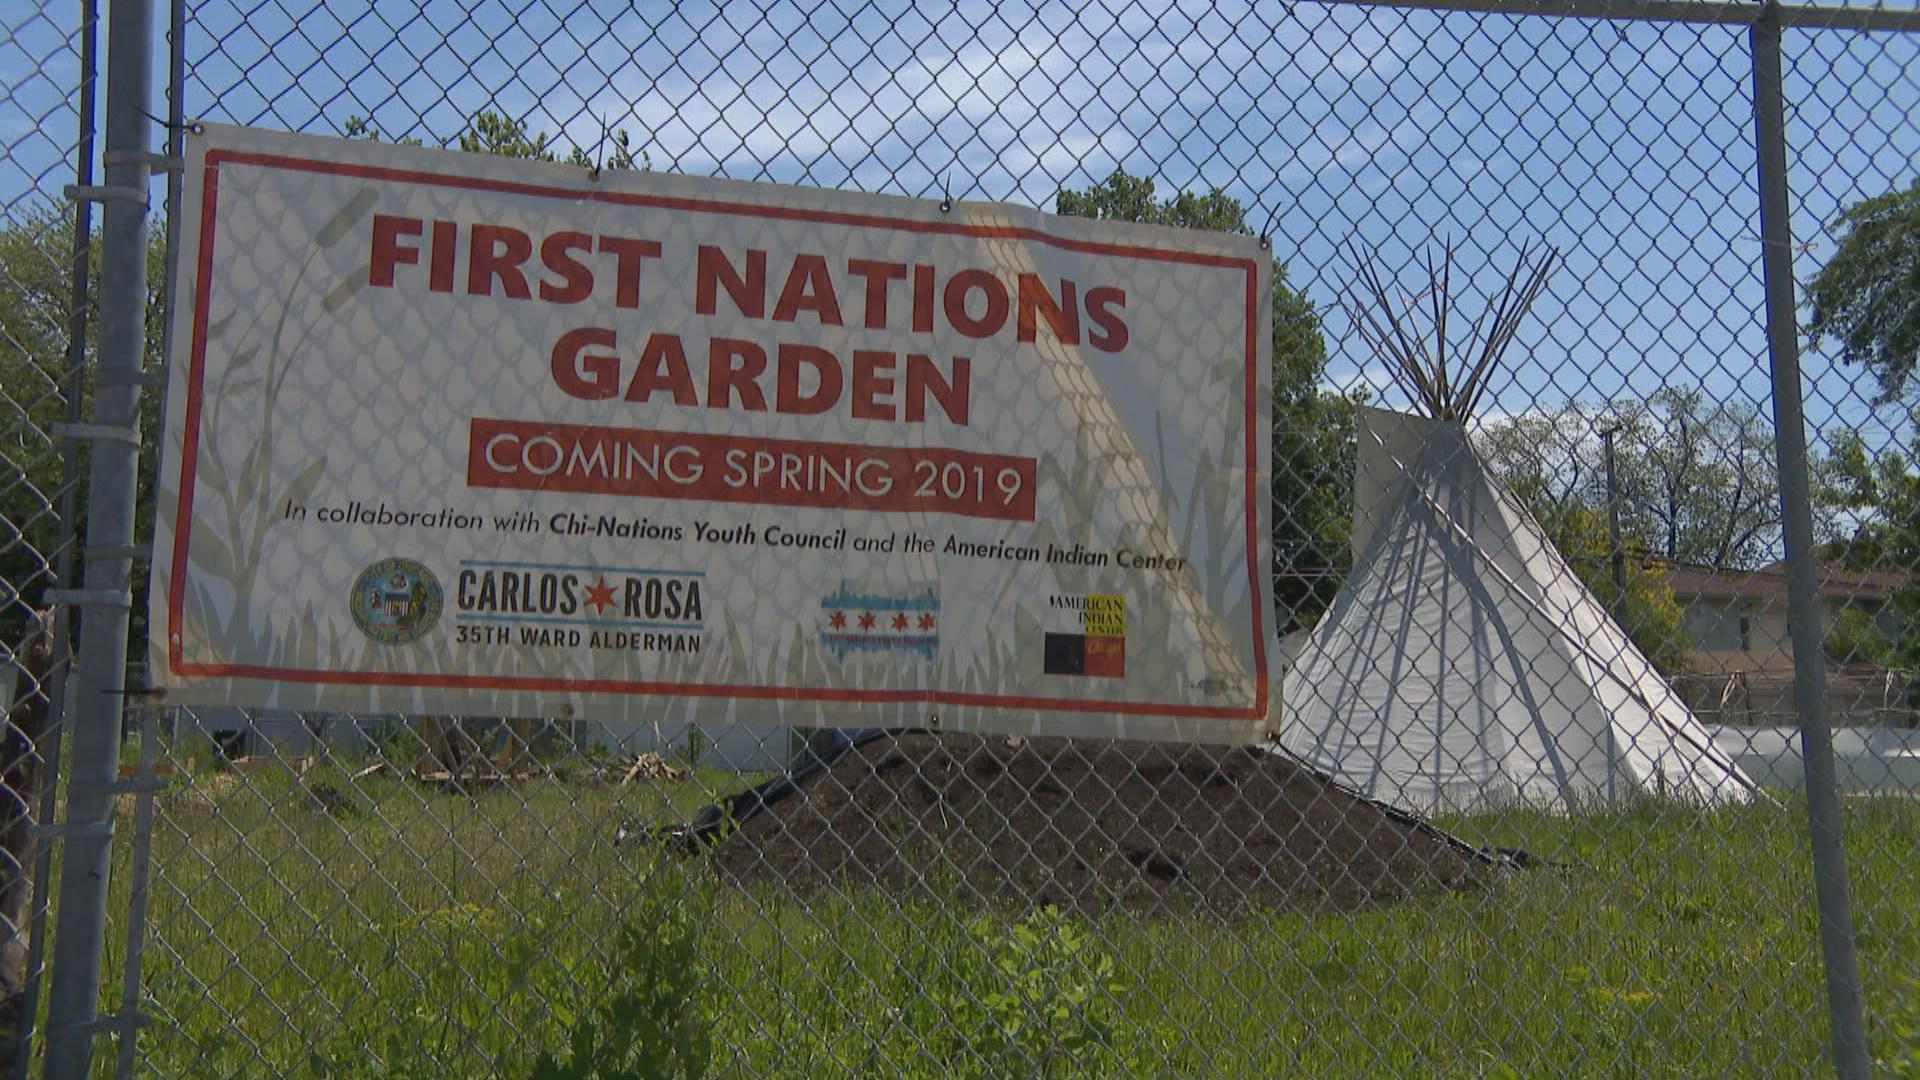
{"x": 395, "y": 601}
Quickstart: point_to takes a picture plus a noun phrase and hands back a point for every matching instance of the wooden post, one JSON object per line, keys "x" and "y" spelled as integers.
{"x": 516, "y": 749}
{"x": 436, "y": 752}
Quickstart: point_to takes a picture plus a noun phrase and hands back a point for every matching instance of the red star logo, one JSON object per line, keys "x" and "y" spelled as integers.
{"x": 600, "y": 595}
{"x": 866, "y": 620}
{"x": 837, "y": 620}
{"x": 900, "y": 621}
{"x": 926, "y": 621}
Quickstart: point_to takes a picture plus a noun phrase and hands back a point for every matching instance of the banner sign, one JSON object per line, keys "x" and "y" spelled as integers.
{"x": 458, "y": 434}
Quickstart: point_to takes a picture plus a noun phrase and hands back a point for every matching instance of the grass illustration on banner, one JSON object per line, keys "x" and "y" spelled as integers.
{"x": 869, "y": 619}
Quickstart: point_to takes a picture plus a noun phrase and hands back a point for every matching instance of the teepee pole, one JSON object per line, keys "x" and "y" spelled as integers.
{"x": 1427, "y": 373}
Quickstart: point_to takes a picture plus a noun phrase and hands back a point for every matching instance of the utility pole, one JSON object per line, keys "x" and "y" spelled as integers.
{"x": 1619, "y": 556}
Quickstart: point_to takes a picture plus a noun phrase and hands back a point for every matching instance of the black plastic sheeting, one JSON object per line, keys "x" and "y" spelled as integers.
{"x": 715, "y": 819}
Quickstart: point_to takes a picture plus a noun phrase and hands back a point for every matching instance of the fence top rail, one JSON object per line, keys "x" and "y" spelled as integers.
{"x": 1796, "y": 16}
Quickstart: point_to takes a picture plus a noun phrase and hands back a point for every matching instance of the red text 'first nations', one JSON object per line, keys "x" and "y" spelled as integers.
{"x": 596, "y": 363}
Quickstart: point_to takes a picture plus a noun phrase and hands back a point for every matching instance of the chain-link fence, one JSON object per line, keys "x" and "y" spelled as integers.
{"x": 47, "y": 96}
{"x": 1546, "y": 629}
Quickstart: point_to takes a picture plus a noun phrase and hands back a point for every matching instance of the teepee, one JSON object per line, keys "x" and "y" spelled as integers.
{"x": 1463, "y": 666}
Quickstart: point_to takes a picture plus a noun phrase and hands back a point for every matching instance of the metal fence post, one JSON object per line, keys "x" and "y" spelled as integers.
{"x": 87, "y": 833}
{"x": 1803, "y": 601}
{"x": 79, "y": 315}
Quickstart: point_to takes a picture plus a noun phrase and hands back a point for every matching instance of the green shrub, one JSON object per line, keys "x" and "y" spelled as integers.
{"x": 653, "y": 1019}
{"x": 1038, "y": 1000}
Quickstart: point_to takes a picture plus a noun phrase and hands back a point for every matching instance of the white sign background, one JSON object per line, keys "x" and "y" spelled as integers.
{"x": 309, "y": 407}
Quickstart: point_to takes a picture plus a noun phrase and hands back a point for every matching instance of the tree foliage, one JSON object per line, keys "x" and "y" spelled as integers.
{"x": 1868, "y": 294}
{"x": 1854, "y": 638}
{"x": 1543, "y": 460}
{"x": 1695, "y": 483}
{"x": 1313, "y": 427}
{"x": 1696, "y": 479}
{"x": 1651, "y": 615}
{"x": 490, "y": 132}
{"x": 1579, "y": 528}
{"x": 1880, "y": 493}
{"x": 37, "y": 385}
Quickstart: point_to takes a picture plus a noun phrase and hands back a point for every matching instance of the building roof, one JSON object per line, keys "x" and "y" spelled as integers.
{"x": 1769, "y": 582}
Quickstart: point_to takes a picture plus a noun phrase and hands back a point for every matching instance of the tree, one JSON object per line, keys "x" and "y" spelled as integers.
{"x": 496, "y": 133}
{"x": 1699, "y": 479}
{"x": 1868, "y": 294}
{"x": 35, "y": 300}
{"x": 1554, "y": 464}
{"x": 1651, "y": 615}
{"x": 1880, "y": 493}
{"x": 1854, "y": 638}
{"x": 1313, "y": 428}
{"x": 36, "y": 386}
{"x": 1696, "y": 479}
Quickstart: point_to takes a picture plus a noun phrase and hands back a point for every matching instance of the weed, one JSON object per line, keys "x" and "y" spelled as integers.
{"x": 653, "y": 1019}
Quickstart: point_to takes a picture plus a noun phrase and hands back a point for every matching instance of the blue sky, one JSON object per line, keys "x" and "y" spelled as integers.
{"x": 1627, "y": 146}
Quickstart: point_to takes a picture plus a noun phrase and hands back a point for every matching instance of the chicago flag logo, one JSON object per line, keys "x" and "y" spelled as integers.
{"x": 866, "y": 619}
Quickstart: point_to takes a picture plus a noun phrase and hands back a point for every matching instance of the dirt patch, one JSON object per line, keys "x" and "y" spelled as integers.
{"x": 1090, "y": 825}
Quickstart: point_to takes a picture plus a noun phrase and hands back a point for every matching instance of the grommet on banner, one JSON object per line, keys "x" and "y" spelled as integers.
{"x": 193, "y": 126}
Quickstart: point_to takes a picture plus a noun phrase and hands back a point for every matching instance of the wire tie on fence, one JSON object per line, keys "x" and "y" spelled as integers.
{"x": 74, "y": 830}
{"x": 112, "y": 1022}
{"x": 95, "y": 432}
{"x": 136, "y": 552}
{"x": 161, "y": 163}
{"x": 155, "y": 692}
{"x": 946, "y": 193}
{"x": 600, "y": 151}
{"x": 141, "y": 377}
{"x": 184, "y": 125}
{"x": 101, "y": 193}
{"x": 113, "y": 598}
{"x": 127, "y": 1021}
{"x": 132, "y": 785}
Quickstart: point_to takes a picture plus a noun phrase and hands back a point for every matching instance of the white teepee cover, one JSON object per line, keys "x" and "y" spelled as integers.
{"x": 1463, "y": 666}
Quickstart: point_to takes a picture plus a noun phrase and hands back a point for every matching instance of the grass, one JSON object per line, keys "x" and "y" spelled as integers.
{"x": 424, "y": 934}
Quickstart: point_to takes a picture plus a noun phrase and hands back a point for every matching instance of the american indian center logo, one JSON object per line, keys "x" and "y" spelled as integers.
{"x": 395, "y": 601}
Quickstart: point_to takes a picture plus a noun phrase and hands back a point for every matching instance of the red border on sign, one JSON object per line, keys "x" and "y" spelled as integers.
{"x": 190, "y": 448}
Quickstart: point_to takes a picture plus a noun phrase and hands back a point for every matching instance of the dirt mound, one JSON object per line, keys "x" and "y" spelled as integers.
{"x": 1090, "y": 825}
